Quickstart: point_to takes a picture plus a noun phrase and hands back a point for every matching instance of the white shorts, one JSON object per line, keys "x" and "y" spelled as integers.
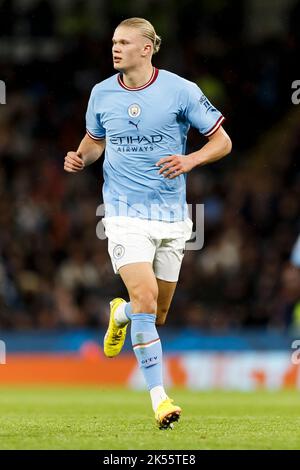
{"x": 134, "y": 240}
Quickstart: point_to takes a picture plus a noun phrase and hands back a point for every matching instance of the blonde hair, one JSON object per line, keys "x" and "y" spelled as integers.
{"x": 147, "y": 30}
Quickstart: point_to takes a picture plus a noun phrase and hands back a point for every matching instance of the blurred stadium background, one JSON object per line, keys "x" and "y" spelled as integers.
{"x": 236, "y": 311}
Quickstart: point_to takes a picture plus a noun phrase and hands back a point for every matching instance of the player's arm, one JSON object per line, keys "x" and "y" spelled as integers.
{"x": 88, "y": 152}
{"x": 218, "y": 145}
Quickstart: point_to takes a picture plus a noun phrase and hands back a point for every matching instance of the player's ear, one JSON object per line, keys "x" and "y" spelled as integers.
{"x": 146, "y": 50}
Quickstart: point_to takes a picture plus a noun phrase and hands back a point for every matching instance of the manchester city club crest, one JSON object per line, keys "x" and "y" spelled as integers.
{"x": 134, "y": 110}
{"x": 118, "y": 251}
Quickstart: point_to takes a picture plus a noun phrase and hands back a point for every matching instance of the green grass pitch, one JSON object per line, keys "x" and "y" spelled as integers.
{"x": 94, "y": 418}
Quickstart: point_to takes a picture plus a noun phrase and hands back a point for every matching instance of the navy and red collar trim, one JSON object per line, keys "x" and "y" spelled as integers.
{"x": 150, "y": 81}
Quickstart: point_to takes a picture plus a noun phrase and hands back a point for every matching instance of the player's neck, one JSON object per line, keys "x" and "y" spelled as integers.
{"x": 137, "y": 77}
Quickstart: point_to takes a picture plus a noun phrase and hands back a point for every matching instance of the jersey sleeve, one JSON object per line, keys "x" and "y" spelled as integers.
{"x": 94, "y": 128}
{"x": 199, "y": 112}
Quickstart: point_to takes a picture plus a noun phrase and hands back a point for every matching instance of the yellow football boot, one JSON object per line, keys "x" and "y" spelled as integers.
{"x": 167, "y": 413}
{"x": 115, "y": 335}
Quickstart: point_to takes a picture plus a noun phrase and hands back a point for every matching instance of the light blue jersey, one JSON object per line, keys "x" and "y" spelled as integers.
{"x": 142, "y": 125}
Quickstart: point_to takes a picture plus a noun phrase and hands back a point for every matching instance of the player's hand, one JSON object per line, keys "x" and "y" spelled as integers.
{"x": 73, "y": 162}
{"x": 175, "y": 165}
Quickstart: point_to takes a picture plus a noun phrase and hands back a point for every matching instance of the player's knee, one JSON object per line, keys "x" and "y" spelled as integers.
{"x": 144, "y": 300}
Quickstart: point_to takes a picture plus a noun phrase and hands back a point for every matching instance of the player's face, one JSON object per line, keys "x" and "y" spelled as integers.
{"x": 129, "y": 48}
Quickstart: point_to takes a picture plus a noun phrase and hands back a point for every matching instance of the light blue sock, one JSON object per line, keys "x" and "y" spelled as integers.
{"x": 147, "y": 347}
{"x": 128, "y": 310}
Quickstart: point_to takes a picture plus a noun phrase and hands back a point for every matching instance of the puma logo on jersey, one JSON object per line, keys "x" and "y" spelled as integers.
{"x": 134, "y": 124}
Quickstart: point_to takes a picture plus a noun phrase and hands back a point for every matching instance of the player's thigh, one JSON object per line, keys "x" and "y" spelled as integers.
{"x": 166, "y": 291}
{"x": 141, "y": 285}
